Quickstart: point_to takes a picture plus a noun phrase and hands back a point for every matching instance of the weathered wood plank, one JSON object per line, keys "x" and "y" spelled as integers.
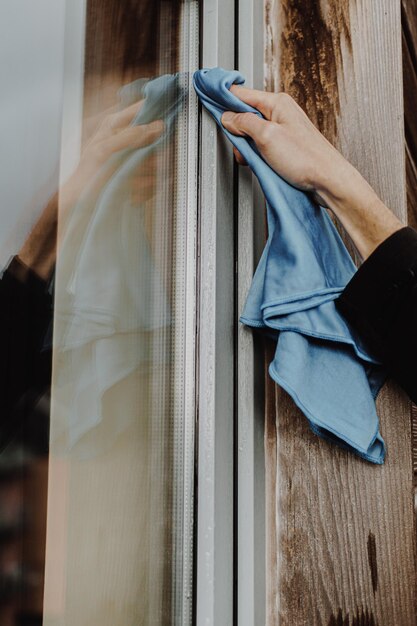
{"x": 344, "y": 529}
{"x": 409, "y": 50}
{"x": 409, "y": 43}
{"x": 271, "y": 517}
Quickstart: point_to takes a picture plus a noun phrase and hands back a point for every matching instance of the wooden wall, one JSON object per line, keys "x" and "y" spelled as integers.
{"x": 409, "y": 47}
{"x": 340, "y": 531}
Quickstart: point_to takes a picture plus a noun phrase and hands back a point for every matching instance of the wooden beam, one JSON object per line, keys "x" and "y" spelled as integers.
{"x": 409, "y": 49}
{"x": 340, "y": 531}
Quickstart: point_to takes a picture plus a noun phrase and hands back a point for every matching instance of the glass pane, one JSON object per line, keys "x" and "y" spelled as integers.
{"x": 98, "y": 246}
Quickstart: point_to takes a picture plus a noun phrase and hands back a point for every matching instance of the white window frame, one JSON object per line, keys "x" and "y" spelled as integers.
{"x": 230, "y": 559}
{"x": 250, "y": 412}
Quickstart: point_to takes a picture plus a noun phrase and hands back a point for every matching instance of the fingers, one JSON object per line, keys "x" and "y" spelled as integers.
{"x": 248, "y": 124}
{"x": 116, "y": 121}
{"x": 261, "y": 100}
{"x": 273, "y": 106}
{"x": 239, "y": 158}
{"x": 123, "y": 118}
{"x": 129, "y": 138}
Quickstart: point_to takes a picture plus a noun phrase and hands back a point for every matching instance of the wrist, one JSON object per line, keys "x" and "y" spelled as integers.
{"x": 40, "y": 263}
{"x": 343, "y": 189}
{"x": 39, "y": 250}
{"x": 367, "y": 220}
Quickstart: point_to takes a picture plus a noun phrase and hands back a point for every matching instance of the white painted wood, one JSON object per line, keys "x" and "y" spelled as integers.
{"x": 73, "y": 86}
{"x": 185, "y": 307}
{"x": 250, "y": 363}
{"x": 214, "y": 592}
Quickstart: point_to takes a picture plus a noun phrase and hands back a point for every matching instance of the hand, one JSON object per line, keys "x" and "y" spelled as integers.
{"x": 113, "y": 134}
{"x": 288, "y": 141}
{"x": 296, "y": 149}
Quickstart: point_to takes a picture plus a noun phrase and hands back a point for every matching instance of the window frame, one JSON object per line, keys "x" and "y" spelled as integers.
{"x": 230, "y": 553}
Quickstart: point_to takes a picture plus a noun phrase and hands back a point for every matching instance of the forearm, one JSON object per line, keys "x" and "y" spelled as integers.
{"x": 294, "y": 148}
{"x": 367, "y": 220}
{"x": 39, "y": 250}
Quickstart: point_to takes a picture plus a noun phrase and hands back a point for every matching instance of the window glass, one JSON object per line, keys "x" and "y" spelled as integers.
{"x": 97, "y": 246}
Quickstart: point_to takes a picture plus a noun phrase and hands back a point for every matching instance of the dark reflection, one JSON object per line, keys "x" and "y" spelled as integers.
{"x": 89, "y": 293}
{"x": 26, "y": 315}
{"x": 25, "y": 359}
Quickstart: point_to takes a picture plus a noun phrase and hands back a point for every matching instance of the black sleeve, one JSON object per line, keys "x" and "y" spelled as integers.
{"x": 25, "y": 362}
{"x": 380, "y": 301}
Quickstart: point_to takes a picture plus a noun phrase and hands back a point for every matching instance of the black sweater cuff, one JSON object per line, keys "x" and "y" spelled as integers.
{"x": 387, "y": 264}
{"x": 380, "y": 302}
{"x": 390, "y": 265}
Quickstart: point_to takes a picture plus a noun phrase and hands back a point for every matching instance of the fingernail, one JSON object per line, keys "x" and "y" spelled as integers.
{"x": 227, "y": 118}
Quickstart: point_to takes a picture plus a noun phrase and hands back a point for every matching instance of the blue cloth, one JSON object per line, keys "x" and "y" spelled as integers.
{"x": 110, "y": 295}
{"x": 304, "y": 266}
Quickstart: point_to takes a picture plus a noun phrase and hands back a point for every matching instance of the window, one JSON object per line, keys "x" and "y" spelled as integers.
{"x": 111, "y": 244}
{"x": 132, "y": 439}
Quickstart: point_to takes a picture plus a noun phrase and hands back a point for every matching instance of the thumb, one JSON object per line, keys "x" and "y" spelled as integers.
{"x": 246, "y": 124}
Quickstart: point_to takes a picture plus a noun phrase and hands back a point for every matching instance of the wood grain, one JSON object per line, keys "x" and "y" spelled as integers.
{"x": 271, "y": 517}
{"x": 344, "y": 529}
{"x": 409, "y": 48}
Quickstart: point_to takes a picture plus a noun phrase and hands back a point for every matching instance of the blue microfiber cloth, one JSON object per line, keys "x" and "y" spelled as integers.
{"x": 110, "y": 293}
{"x": 319, "y": 360}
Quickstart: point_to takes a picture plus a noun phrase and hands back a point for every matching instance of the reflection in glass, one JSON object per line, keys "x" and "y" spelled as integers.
{"x": 95, "y": 309}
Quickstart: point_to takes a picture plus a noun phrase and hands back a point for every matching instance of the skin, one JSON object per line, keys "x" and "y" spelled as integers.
{"x": 113, "y": 133}
{"x": 296, "y": 150}
{"x": 286, "y": 138}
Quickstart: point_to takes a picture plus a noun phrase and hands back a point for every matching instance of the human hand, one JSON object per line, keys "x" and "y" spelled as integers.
{"x": 113, "y": 134}
{"x": 291, "y": 144}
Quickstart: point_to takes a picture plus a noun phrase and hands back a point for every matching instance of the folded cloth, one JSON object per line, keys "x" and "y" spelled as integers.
{"x": 109, "y": 293}
{"x": 319, "y": 359}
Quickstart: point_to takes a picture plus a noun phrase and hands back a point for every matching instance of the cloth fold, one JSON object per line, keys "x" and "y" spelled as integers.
{"x": 319, "y": 359}
{"x": 111, "y": 296}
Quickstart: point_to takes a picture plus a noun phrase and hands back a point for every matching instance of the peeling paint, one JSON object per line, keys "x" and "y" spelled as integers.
{"x": 311, "y": 55}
